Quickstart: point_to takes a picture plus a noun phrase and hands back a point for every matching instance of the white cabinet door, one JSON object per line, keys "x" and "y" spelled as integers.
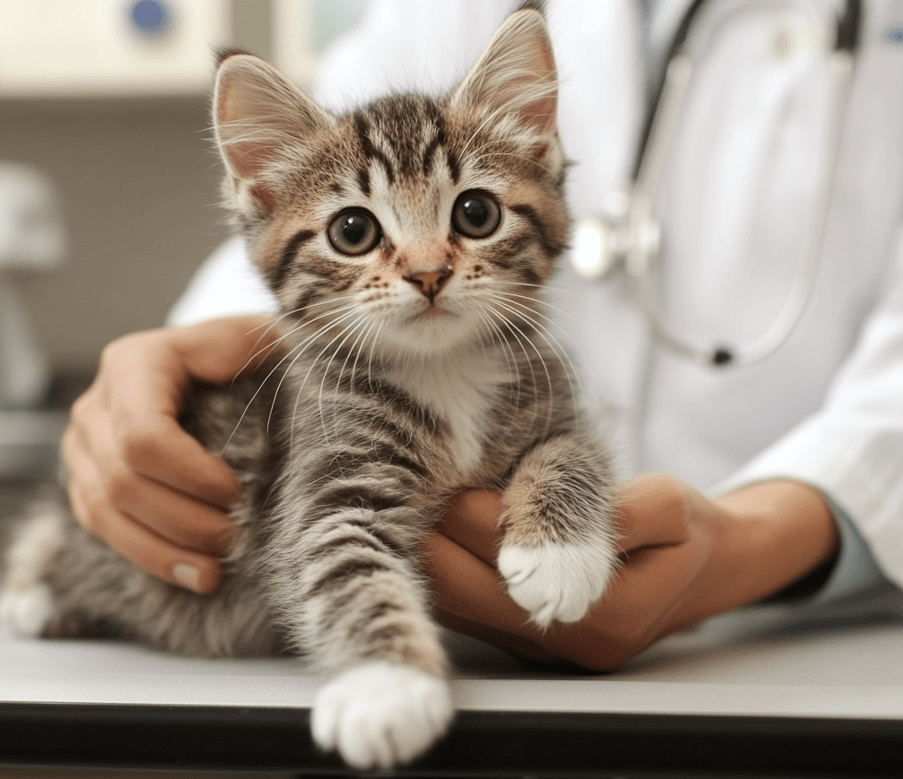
{"x": 74, "y": 48}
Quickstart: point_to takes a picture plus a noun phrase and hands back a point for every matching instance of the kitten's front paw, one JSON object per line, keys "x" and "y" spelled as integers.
{"x": 381, "y": 714}
{"x": 25, "y": 612}
{"x": 556, "y": 581}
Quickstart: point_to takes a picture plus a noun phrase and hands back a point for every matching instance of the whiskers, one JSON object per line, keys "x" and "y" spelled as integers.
{"x": 337, "y": 348}
{"x": 524, "y": 319}
{"x": 342, "y": 309}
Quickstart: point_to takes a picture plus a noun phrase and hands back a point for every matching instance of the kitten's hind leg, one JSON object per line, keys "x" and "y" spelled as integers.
{"x": 559, "y": 551}
{"x": 26, "y": 602}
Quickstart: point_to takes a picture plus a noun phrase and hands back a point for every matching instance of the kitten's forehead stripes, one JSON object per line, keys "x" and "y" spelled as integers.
{"x": 363, "y": 181}
{"x": 371, "y": 153}
{"x": 439, "y": 140}
{"x": 454, "y": 165}
{"x": 404, "y": 135}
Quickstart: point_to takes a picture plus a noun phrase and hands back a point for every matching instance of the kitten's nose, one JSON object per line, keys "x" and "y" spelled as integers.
{"x": 430, "y": 282}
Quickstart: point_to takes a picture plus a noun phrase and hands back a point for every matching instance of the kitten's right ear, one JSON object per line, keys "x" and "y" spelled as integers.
{"x": 516, "y": 74}
{"x": 256, "y": 114}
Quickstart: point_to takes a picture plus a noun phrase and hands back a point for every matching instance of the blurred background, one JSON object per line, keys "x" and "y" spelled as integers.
{"x": 108, "y": 179}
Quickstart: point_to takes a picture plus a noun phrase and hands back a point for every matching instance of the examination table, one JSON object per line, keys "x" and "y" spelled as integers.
{"x": 741, "y": 696}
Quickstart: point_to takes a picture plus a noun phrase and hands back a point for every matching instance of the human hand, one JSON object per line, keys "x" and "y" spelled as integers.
{"x": 685, "y": 557}
{"x": 135, "y": 478}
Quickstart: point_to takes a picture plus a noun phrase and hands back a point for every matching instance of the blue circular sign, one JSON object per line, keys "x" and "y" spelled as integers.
{"x": 149, "y": 16}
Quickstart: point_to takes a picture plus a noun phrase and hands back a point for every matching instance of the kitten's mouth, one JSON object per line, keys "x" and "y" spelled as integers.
{"x": 430, "y": 312}
{"x": 432, "y": 321}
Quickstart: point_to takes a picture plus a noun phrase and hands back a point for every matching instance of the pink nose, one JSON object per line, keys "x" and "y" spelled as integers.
{"x": 430, "y": 282}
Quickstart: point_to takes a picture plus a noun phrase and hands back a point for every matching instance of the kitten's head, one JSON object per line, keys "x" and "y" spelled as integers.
{"x": 413, "y": 224}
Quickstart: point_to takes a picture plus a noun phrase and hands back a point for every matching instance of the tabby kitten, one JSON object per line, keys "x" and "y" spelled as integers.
{"x": 408, "y": 243}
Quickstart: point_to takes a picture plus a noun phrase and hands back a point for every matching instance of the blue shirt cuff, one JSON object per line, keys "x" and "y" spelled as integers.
{"x": 855, "y": 568}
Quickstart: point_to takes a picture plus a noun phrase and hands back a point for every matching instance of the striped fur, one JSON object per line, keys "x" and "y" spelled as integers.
{"x": 418, "y": 368}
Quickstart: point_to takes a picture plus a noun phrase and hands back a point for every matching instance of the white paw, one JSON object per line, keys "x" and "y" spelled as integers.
{"x": 381, "y": 714}
{"x": 556, "y": 581}
{"x": 26, "y": 612}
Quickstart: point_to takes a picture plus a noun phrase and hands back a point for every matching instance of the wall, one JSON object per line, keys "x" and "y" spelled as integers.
{"x": 137, "y": 173}
{"x": 138, "y": 181}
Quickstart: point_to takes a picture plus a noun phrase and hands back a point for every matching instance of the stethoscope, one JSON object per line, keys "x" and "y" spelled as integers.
{"x": 630, "y": 238}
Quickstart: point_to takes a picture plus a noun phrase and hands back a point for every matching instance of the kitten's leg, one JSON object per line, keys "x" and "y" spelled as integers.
{"x": 26, "y": 601}
{"x": 61, "y": 582}
{"x": 560, "y": 547}
{"x": 361, "y": 610}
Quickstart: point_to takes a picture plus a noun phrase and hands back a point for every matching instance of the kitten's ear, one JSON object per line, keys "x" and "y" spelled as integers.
{"x": 516, "y": 73}
{"x": 257, "y": 113}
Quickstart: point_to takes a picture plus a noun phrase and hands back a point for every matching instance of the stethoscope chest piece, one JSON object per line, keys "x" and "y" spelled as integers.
{"x": 602, "y": 247}
{"x": 598, "y": 249}
{"x": 601, "y": 243}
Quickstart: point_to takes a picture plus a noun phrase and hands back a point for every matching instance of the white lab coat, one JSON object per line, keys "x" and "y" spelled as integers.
{"x": 827, "y": 408}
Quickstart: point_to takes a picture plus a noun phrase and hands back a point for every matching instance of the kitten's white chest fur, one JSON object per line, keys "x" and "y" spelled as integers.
{"x": 460, "y": 388}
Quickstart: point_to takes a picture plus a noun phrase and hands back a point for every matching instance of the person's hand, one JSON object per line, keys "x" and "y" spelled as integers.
{"x": 135, "y": 478}
{"x": 684, "y": 558}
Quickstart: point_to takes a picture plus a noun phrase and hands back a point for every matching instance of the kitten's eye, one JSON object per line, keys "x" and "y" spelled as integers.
{"x": 354, "y": 232}
{"x": 476, "y": 214}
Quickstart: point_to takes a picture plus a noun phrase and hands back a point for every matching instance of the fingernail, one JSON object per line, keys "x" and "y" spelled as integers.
{"x": 187, "y": 575}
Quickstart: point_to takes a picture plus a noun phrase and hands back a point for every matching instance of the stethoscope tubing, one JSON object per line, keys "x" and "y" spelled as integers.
{"x": 643, "y": 244}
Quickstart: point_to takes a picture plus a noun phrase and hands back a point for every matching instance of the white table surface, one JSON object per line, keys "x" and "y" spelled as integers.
{"x": 853, "y": 671}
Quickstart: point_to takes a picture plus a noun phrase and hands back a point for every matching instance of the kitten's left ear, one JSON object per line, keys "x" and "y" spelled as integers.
{"x": 516, "y": 74}
{"x": 256, "y": 113}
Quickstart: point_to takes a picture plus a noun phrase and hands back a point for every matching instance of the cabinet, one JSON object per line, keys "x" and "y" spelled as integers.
{"x": 121, "y": 48}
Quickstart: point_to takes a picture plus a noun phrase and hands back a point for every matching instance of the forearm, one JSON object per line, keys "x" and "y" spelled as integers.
{"x": 685, "y": 558}
{"x": 771, "y": 535}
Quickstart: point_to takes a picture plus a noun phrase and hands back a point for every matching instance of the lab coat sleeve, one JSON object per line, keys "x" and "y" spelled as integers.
{"x": 852, "y": 448}
{"x": 399, "y": 45}
{"x": 225, "y": 285}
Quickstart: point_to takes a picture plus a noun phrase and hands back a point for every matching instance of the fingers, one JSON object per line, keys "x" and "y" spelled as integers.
{"x": 471, "y": 521}
{"x": 139, "y": 396}
{"x": 176, "y": 498}
{"x": 667, "y": 540}
{"x": 468, "y": 587}
{"x": 525, "y": 650}
{"x": 471, "y": 597}
{"x": 642, "y": 604}
{"x": 132, "y": 539}
{"x": 655, "y": 509}
{"x": 188, "y": 523}
{"x": 221, "y": 350}
{"x": 160, "y": 450}
{"x": 128, "y": 441}
{"x": 135, "y": 478}
{"x": 666, "y": 543}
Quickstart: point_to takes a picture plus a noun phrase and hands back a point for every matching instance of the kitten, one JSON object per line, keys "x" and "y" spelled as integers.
{"x": 407, "y": 243}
